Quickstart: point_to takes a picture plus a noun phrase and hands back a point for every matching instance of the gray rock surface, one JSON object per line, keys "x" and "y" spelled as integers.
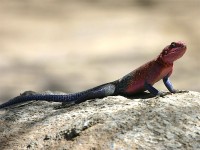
{"x": 170, "y": 122}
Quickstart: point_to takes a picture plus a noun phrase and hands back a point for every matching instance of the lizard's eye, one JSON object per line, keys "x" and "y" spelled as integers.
{"x": 173, "y": 44}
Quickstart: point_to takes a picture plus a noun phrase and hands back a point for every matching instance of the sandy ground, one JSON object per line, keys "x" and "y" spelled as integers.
{"x": 73, "y": 45}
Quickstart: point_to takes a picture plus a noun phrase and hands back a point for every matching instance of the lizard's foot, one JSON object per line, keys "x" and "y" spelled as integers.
{"x": 28, "y": 93}
{"x": 162, "y": 94}
{"x": 67, "y": 104}
{"x": 180, "y": 91}
{"x": 64, "y": 105}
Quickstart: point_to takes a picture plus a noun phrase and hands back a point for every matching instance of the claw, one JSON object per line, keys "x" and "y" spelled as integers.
{"x": 180, "y": 91}
{"x": 162, "y": 94}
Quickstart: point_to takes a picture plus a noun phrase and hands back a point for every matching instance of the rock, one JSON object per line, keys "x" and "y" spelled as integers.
{"x": 115, "y": 122}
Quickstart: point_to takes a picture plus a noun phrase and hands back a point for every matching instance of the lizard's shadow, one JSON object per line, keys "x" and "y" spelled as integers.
{"x": 142, "y": 95}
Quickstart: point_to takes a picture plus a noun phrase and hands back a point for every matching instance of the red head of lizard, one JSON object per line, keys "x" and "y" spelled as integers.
{"x": 173, "y": 52}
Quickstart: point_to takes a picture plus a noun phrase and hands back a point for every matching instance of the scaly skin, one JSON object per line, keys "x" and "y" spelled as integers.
{"x": 139, "y": 80}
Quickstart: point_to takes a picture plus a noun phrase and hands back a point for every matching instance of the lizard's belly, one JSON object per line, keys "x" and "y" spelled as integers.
{"x": 135, "y": 87}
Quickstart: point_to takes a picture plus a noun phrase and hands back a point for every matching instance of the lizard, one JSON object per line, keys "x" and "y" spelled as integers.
{"x": 137, "y": 81}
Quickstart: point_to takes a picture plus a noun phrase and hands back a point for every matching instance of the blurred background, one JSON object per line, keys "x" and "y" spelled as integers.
{"x": 73, "y": 45}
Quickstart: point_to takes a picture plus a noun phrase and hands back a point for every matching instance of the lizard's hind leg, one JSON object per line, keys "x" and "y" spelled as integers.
{"x": 98, "y": 92}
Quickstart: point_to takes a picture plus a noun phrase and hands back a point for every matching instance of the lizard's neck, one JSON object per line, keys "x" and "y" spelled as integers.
{"x": 162, "y": 63}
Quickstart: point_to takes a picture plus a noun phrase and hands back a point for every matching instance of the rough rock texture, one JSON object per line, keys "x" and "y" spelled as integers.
{"x": 143, "y": 122}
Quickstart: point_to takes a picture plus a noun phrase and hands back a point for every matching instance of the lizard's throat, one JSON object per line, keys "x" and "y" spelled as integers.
{"x": 161, "y": 62}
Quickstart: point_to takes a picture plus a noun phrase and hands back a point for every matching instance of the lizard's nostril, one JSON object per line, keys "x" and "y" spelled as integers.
{"x": 184, "y": 46}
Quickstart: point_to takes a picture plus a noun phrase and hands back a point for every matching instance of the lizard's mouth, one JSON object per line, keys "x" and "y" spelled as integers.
{"x": 179, "y": 52}
{"x": 183, "y": 46}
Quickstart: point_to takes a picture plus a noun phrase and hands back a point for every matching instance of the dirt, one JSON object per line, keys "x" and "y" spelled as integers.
{"x": 114, "y": 122}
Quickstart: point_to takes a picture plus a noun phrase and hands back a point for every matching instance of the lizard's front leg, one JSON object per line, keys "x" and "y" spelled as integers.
{"x": 169, "y": 85}
{"x": 153, "y": 90}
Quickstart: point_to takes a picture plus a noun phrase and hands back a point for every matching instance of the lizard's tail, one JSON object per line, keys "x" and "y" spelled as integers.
{"x": 97, "y": 92}
{"x": 26, "y": 98}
